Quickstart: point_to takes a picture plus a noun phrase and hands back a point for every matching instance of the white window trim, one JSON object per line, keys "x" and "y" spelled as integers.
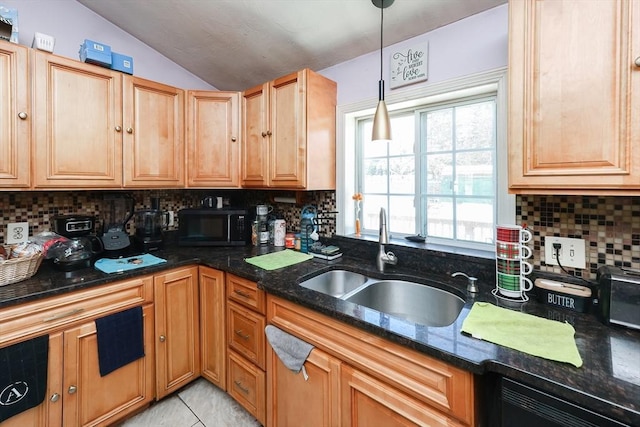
{"x": 491, "y": 81}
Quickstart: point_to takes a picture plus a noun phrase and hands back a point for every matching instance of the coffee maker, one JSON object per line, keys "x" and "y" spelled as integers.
{"x": 148, "y": 223}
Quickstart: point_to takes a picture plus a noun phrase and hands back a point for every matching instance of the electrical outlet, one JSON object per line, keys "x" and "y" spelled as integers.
{"x": 17, "y": 232}
{"x": 572, "y": 252}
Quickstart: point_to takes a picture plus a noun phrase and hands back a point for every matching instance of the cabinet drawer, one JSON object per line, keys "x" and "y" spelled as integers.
{"x": 246, "y": 292}
{"x": 23, "y": 321}
{"x": 246, "y": 384}
{"x": 245, "y": 332}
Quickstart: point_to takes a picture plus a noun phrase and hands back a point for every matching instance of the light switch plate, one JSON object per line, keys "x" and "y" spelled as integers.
{"x": 17, "y": 232}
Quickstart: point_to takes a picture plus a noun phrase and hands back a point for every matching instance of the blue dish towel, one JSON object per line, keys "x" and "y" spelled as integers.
{"x": 119, "y": 265}
{"x": 23, "y": 376}
{"x": 120, "y": 339}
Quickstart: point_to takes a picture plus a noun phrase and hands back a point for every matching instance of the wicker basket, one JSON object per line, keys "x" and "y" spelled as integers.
{"x": 17, "y": 269}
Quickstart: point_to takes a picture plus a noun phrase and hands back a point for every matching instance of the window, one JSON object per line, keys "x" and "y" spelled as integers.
{"x": 444, "y": 173}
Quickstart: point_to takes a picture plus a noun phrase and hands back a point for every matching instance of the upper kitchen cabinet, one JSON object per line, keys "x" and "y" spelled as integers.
{"x": 77, "y": 118}
{"x": 288, "y": 129}
{"x": 574, "y": 97}
{"x": 153, "y": 117}
{"x": 213, "y": 139}
{"x": 97, "y": 128}
{"x": 15, "y": 117}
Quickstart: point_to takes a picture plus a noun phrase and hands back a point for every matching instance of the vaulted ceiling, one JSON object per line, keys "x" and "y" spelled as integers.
{"x": 237, "y": 44}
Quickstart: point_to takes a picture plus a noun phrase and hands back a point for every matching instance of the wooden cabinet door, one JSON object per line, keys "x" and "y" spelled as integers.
{"x": 256, "y": 135}
{"x": 212, "y": 322}
{"x": 288, "y": 143}
{"x": 368, "y": 402}
{"x": 49, "y": 412}
{"x": 15, "y": 116}
{"x": 177, "y": 329}
{"x": 92, "y": 400}
{"x": 293, "y": 400}
{"x": 77, "y": 117}
{"x": 213, "y": 139}
{"x": 574, "y": 90}
{"x": 153, "y": 134}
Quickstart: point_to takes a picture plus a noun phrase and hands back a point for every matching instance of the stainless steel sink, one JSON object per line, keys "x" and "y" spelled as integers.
{"x": 410, "y": 301}
{"x": 336, "y": 283}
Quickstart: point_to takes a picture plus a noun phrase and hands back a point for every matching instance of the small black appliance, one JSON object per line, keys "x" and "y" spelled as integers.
{"x": 148, "y": 224}
{"x": 118, "y": 211}
{"x": 82, "y": 246}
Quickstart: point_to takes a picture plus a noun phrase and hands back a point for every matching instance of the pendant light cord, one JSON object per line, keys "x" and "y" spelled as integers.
{"x": 381, "y": 83}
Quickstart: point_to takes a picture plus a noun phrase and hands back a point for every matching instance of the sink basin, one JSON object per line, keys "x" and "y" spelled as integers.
{"x": 336, "y": 283}
{"x": 411, "y": 301}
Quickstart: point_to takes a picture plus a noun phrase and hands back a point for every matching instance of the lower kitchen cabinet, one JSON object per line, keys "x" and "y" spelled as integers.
{"x": 177, "y": 329}
{"x": 76, "y": 393}
{"x": 91, "y": 400}
{"x": 369, "y": 402}
{"x": 246, "y": 359}
{"x": 381, "y": 383}
{"x": 309, "y": 402}
{"x": 212, "y": 326}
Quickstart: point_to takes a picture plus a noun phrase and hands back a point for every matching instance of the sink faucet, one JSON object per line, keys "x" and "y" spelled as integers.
{"x": 384, "y": 257}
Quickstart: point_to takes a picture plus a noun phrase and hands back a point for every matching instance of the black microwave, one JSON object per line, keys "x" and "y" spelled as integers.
{"x": 213, "y": 227}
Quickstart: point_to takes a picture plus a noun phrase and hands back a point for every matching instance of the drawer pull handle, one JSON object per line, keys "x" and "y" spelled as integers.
{"x": 241, "y": 335}
{"x": 242, "y": 389}
{"x": 62, "y": 315}
{"x": 72, "y": 389}
{"x": 242, "y": 294}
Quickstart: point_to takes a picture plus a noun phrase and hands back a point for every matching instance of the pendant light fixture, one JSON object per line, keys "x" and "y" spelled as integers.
{"x": 381, "y": 122}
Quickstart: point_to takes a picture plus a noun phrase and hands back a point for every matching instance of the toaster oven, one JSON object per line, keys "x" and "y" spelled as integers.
{"x": 619, "y": 296}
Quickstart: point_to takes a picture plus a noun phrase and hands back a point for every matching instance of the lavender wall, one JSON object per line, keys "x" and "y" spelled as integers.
{"x": 70, "y": 23}
{"x": 475, "y": 44}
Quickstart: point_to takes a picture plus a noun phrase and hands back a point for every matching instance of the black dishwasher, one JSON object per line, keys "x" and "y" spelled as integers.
{"x": 524, "y": 406}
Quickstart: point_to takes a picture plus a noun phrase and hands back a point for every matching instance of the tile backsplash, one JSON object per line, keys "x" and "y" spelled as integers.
{"x": 610, "y": 225}
{"x": 37, "y": 208}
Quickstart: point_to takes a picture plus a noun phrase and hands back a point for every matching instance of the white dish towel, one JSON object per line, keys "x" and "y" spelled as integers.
{"x": 292, "y": 351}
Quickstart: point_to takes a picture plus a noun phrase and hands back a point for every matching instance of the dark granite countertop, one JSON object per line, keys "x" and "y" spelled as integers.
{"x": 607, "y": 383}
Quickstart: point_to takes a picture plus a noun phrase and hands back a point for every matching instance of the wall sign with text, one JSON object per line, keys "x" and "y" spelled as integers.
{"x": 409, "y": 65}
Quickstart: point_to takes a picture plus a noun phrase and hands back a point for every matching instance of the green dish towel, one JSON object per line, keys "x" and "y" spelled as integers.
{"x": 533, "y": 335}
{"x": 278, "y": 259}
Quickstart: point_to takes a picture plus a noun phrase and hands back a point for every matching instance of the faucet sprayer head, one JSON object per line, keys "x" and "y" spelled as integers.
{"x": 383, "y": 235}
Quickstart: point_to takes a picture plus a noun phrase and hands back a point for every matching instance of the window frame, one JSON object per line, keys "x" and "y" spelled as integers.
{"x": 486, "y": 83}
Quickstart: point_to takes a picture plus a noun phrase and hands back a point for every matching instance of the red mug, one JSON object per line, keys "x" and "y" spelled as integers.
{"x": 513, "y": 234}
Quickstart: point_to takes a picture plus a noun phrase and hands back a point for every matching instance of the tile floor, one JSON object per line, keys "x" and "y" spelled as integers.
{"x": 200, "y": 404}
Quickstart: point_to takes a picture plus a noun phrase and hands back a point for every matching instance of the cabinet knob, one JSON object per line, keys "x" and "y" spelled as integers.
{"x": 163, "y": 338}
{"x": 118, "y": 128}
{"x": 129, "y": 130}
{"x": 264, "y": 134}
{"x": 24, "y": 116}
{"x": 269, "y": 132}
{"x": 637, "y": 62}
{"x": 72, "y": 389}
{"x": 55, "y": 397}
{"x": 234, "y": 139}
